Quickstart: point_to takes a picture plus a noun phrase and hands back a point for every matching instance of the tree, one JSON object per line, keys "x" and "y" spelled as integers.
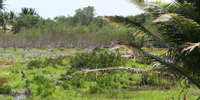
{"x": 173, "y": 22}
{"x": 28, "y": 18}
{"x": 2, "y": 5}
{"x": 85, "y": 16}
{"x": 28, "y": 11}
{"x": 4, "y": 17}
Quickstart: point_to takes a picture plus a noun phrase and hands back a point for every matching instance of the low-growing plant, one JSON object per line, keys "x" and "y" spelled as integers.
{"x": 154, "y": 79}
{"x": 18, "y": 53}
{"x": 144, "y": 60}
{"x": 48, "y": 61}
{"x": 45, "y": 87}
{"x": 66, "y": 85}
{"x": 95, "y": 59}
{"x": 53, "y": 62}
{"x": 34, "y": 64}
{"x": 97, "y": 49}
{"x": 5, "y": 89}
{"x": 106, "y": 81}
{"x": 61, "y": 48}
{"x": 78, "y": 80}
{"x": 95, "y": 89}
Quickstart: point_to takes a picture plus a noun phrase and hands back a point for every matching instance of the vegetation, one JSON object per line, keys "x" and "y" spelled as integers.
{"x": 58, "y": 81}
{"x": 71, "y": 57}
{"x": 170, "y": 22}
{"x": 96, "y": 60}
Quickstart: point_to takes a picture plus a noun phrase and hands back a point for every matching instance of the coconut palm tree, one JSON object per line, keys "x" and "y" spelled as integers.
{"x": 2, "y": 5}
{"x": 4, "y": 17}
{"x": 29, "y": 11}
{"x": 177, "y": 31}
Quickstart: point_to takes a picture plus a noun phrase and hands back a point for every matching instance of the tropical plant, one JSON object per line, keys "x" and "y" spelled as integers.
{"x": 2, "y": 5}
{"x": 4, "y": 17}
{"x": 173, "y": 22}
{"x": 28, "y": 11}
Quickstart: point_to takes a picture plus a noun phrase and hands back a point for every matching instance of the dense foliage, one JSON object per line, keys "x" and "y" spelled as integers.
{"x": 95, "y": 59}
{"x": 5, "y": 89}
{"x": 176, "y": 31}
{"x": 48, "y": 61}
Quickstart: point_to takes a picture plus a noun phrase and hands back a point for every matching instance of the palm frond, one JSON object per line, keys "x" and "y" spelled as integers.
{"x": 185, "y": 27}
{"x": 191, "y": 47}
{"x": 124, "y": 47}
{"x": 184, "y": 9}
{"x": 170, "y": 66}
{"x": 136, "y": 29}
{"x": 137, "y": 3}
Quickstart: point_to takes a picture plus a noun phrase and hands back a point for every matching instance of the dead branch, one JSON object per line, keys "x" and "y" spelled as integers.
{"x": 131, "y": 70}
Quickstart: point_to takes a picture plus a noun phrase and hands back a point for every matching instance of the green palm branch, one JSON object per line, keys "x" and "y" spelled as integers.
{"x": 179, "y": 30}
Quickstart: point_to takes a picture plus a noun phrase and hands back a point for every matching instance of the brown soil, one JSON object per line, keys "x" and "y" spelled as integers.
{"x": 3, "y": 81}
{"x": 8, "y": 63}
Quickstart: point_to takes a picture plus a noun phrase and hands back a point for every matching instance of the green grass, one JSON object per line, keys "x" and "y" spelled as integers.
{"x": 132, "y": 63}
{"x": 135, "y": 92}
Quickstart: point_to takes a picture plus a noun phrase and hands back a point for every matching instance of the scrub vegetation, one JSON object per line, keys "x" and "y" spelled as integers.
{"x": 150, "y": 56}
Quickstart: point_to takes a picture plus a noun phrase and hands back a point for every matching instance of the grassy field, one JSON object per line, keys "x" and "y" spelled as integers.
{"x": 120, "y": 85}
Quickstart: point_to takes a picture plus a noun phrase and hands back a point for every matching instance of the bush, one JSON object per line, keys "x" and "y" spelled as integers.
{"x": 78, "y": 80}
{"x": 53, "y": 62}
{"x": 107, "y": 81}
{"x": 34, "y": 64}
{"x": 95, "y": 89}
{"x": 66, "y": 85}
{"x": 5, "y": 89}
{"x": 154, "y": 80}
{"x": 48, "y": 61}
{"x": 144, "y": 60}
{"x": 45, "y": 88}
{"x": 96, "y": 60}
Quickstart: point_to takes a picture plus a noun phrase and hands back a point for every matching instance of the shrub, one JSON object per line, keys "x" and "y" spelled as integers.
{"x": 78, "y": 80}
{"x": 34, "y": 64}
{"x": 61, "y": 48}
{"x": 53, "y": 62}
{"x": 144, "y": 60}
{"x": 43, "y": 91}
{"x": 5, "y": 89}
{"x": 48, "y": 61}
{"x": 18, "y": 53}
{"x": 94, "y": 89}
{"x": 106, "y": 81}
{"x": 66, "y": 85}
{"x": 45, "y": 88}
{"x": 94, "y": 60}
{"x": 154, "y": 80}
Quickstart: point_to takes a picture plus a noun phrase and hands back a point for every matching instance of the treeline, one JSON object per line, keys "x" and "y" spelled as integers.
{"x": 29, "y": 30}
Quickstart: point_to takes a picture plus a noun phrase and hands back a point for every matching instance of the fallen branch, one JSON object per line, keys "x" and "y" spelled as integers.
{"x": 131, "y": 70}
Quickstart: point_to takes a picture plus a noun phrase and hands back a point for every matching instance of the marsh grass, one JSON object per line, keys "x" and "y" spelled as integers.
{"x": 127, "y": 83}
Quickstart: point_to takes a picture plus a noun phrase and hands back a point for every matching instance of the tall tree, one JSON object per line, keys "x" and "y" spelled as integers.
{"x": 176, "y": 29}
{"x": 29, "y": 11}
{"x": 4, "y": 17}
{"x": 28, "y": 18}
{"x": 2, "y": 5}
{"x": 84, "y": 16}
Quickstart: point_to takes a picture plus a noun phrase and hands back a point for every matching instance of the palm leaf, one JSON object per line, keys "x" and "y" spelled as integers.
{"x": 170, "y": 66}
{"x": 161, "y": 7}
{"x": 191, "y": 47}
{"x": 184, "y": 9}
{"x": 183, "y": 26}
{"x": 137, "y": 29}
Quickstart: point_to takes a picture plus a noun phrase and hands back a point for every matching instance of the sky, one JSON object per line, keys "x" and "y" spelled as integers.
{"x": 52, "y": 8}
